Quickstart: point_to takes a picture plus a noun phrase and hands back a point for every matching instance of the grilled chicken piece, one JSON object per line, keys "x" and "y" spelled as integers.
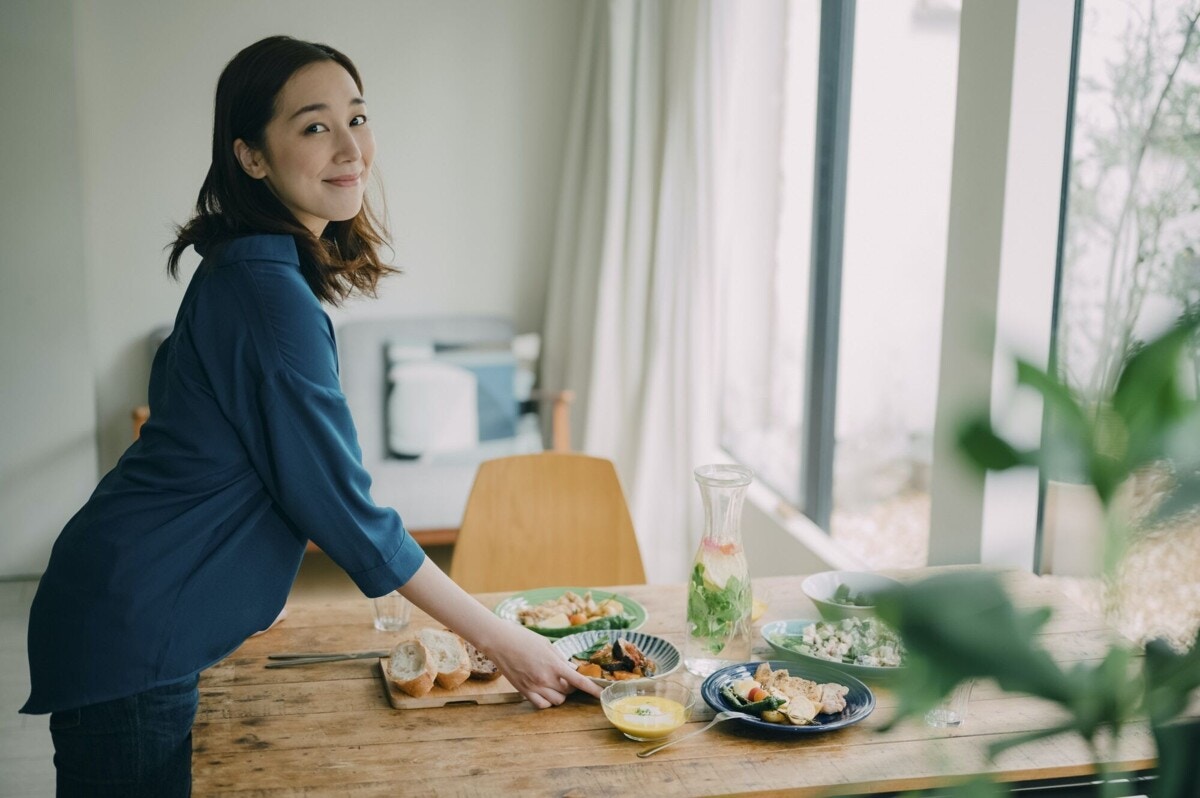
{"x": 829, "y": 698}
{"x": 833, "y": 698}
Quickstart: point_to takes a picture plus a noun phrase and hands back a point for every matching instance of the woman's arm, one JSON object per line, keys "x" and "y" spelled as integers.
{"x": 525, "y": 658}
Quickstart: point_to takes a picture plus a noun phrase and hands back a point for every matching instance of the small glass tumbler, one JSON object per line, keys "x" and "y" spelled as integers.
{"x": 392, "y": 612}
{"x": 953, "y": 709}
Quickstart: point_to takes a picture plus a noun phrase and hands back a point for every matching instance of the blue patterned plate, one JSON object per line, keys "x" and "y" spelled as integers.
{"x": 860, "y": 701}
{"x": 666, "y": 657}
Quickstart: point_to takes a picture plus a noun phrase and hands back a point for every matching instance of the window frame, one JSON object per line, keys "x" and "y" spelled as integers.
{"x": 972, "y": 515}
{"x": 835, "y": 63}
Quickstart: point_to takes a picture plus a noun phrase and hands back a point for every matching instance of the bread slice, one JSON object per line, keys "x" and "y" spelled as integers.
{"x": 449, "y": 656}
{"x": 411, "y": 667}
{"x": 482, "y": 668}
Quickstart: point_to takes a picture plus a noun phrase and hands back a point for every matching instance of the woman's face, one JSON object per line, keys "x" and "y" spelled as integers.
{"x": 318, "y": 147}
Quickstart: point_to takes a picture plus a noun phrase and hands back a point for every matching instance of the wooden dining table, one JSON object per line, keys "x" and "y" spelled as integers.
{"x": 329, "y": 729}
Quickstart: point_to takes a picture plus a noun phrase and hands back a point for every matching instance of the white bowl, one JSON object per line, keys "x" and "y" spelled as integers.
{"x": 821, "y": 588}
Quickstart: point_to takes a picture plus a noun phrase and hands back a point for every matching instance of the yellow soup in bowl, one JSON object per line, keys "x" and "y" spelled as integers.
{"x": 646, "y": 717}
{"x": 646, "y": 709}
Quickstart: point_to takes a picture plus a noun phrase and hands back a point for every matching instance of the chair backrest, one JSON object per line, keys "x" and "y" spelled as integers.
{"x": 543, "y": 520}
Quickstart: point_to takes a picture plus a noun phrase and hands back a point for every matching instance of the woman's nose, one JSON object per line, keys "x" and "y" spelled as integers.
{"x": 347, "y": 147}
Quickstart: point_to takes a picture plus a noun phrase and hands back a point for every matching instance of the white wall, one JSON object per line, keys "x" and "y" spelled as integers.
{"x": 468, "y": 99}
{"x": 47, "y": 445}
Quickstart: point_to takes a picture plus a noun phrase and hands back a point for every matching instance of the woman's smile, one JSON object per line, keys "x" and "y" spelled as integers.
{"x": 346, "y": 181}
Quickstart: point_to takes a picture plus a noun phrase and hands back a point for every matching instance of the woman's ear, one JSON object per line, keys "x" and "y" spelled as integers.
{"x": 250, "y": 159}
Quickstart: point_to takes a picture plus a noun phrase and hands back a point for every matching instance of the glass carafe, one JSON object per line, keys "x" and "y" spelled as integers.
{"x": 719, "y": 595}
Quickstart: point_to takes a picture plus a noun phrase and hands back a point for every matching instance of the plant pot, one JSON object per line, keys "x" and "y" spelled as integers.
{"x": 1072, "y": 530}
{"x": 1178, "y": 766}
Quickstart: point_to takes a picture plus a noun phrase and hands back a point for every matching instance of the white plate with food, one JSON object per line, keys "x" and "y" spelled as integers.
{"x": 609, "y": 655}
{"x": 561, "y": 611}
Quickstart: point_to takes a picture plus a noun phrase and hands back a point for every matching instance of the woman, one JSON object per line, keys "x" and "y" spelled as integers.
{"x": 192, "y": 542}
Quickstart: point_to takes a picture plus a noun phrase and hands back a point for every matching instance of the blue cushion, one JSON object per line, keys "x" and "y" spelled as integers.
{"x": 494, "y": 370}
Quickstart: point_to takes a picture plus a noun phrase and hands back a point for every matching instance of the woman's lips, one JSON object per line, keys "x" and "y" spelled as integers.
{"x": 345, "y": 182}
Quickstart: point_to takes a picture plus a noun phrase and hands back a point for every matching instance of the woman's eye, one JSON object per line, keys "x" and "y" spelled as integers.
{"x": 315, "y": 127}
{"x": 361, "y": 119}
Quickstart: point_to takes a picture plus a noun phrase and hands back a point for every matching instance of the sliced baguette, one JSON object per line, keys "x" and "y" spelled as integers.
{"x": 482, "y": 668}
{"x": 449, "y": 656}
{"x": 411, "y": 668}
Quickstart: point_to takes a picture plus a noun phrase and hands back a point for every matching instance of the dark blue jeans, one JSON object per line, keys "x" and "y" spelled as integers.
{"x": 130, "y": 747}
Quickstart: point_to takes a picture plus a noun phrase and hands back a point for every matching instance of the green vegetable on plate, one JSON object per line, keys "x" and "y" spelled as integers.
{"x": 607, "y": 622}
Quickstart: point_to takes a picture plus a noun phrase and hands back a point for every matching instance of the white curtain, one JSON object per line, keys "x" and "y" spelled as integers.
{"x": 633, "y": 315}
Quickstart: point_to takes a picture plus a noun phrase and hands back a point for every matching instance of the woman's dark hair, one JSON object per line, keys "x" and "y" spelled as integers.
{"x": 231, "y": 203}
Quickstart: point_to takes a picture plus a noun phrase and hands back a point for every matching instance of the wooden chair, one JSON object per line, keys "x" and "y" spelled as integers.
{"x": 548, "y": 519}
{"x": 141, "y": 414}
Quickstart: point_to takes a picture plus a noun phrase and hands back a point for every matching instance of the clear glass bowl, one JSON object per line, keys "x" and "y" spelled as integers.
{"x": 647, "y": 709}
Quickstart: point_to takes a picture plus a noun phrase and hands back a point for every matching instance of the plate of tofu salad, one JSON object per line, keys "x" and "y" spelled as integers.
{"x": 789, "y": 697}
{"x": 862, "y": 647}
{"x": 561, "y": 611}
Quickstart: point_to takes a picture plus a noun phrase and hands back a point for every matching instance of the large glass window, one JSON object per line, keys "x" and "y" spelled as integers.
{"x": 893, "y": 274}
{"x": 1129, "y": 262}
{"x": 1129, "y": 268}
{"x": 901, "y": 125}
{"x": 765, "y": 352}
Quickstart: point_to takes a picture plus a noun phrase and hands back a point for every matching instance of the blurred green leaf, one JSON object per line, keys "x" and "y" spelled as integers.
{"x": 1149, "y": 398}
{"x": 987, "y": 449}
{"x": 1105, "y": 695}
{"x": 1170, "y": 679}
{"x": 1179, "y": 767}
{"x": 958, "y": 626}
{"x": 1059, "y": 398}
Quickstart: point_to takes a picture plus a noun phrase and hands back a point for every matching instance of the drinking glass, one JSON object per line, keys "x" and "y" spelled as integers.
{"x": 392, "y": 612}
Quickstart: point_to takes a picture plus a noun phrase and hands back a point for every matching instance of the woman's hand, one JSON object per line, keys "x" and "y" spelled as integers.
{"x": 525, "y": 658}
{"x": 531, "y": 665}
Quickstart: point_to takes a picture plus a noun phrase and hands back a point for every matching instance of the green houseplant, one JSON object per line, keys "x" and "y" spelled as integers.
{"x": 963, "y": 626}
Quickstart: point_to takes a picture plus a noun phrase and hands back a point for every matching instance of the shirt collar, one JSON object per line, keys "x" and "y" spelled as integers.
{"x": 279, "y": 248}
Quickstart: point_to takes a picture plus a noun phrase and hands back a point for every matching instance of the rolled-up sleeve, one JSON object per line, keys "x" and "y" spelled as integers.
{"x": 309, "y": 459}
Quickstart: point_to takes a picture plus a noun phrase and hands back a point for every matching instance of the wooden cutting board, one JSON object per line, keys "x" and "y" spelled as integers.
{"x": 472, "y": 691}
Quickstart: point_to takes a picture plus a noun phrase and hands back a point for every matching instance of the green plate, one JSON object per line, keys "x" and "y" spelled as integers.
{"x": 509, "y": 607}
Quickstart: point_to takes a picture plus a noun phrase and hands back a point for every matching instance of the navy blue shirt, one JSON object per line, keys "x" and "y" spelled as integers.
{"x": 192, "y": 542}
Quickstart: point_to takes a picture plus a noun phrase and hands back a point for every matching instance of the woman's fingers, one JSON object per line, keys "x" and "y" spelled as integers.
{"x": 578, "y": 681}
{"x": 545, "y": 698}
